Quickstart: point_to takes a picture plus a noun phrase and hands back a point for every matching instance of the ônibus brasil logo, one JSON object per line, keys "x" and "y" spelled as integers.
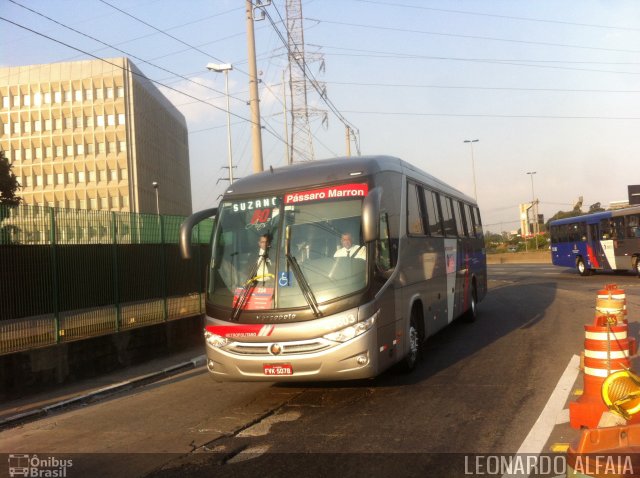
{"x": 34, "y": 466}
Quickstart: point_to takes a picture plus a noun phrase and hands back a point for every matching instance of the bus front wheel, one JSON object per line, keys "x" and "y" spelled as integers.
{"x": 636, "y": 265}
{"x": 582, "y": 267}
{"x": 415, "y": 344}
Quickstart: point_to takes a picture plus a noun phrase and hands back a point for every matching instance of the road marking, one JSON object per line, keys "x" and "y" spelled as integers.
{"x": 563, "y": 417}
{"x": 559, "y": 447}
{"x": 535, "y": 441}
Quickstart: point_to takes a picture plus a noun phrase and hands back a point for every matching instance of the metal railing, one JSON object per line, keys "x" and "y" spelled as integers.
{"x": 69, "y": 274}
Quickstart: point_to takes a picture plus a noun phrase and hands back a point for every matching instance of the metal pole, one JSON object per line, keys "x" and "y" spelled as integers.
{"x": 287, "y": 156}
{"x": 473, "y": 167}
{"x": 256, "y": 137}
{"x": 534, "y": 207}
{"x": 229, "y": 154}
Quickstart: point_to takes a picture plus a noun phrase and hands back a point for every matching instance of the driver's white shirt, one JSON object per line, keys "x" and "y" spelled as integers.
{"x": 349, "y": 252}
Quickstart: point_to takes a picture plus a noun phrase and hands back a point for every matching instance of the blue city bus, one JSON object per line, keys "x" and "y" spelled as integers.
{"x": 607, "y": 241}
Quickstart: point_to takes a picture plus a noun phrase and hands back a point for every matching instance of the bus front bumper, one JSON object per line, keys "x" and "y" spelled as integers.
{"x": 354, "y": 359}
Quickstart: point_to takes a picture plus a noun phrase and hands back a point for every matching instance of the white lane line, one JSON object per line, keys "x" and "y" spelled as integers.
{"x": 535, "y": 441}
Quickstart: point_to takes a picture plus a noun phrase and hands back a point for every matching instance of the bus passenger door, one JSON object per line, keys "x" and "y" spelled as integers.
{"x": 594, "y": 248}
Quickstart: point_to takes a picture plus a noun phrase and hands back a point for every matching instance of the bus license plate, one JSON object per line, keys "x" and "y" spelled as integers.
{"x": 277, "y": 369}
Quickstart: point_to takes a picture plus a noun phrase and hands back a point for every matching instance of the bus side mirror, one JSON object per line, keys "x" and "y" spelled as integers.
{"x": 371, "y": 215}
{"x": 186, "y": 228}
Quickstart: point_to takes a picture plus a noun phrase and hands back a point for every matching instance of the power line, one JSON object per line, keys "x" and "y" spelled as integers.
{"x": 115, "y": 48}
{"x": 500, "y": 88}
{"x": 507, "y": 17}
{"x": 482, "y": 115}
{"x": 471, "y": 37}
{"x": 191, "y": 47}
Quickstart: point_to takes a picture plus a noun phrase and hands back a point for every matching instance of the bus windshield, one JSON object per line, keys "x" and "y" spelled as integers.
{"x": 267, "y": 255}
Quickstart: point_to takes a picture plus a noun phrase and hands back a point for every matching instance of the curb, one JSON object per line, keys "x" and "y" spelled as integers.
{"x": 131, "y": 383}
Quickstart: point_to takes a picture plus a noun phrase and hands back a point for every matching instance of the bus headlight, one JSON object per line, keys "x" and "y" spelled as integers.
{"x": 214, "y": 340}
{"x": 351, "y": 331}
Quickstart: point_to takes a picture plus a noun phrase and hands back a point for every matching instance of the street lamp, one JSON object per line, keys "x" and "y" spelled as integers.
{"x": 155, "y": 186}
{"x": 473, "y": 166}
{"x": 534, "y": 206}
{"x": 225, "y": 68}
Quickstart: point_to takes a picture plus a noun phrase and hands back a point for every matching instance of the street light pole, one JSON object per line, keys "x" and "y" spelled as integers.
{"x": 225, "y": 68}
{"x": 155, "y": 186}
{"x": 534, "y": 206}
{"x": 473, "y": 167}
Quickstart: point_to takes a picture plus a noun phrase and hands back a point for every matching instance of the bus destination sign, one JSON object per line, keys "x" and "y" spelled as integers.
{"x": 331, "y": 192}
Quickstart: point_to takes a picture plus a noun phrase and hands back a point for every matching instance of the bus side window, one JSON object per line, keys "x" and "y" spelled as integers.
{"x": 447, "y": 215}
{"x": 477, "y": 222}
{"x": 384, "y": 261}
{"x": 433, "y": 213}
{"x": 605, "y": 229}
{"x": 415, "y": 224}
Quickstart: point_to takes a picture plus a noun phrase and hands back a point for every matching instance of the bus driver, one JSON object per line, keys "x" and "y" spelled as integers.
{"x": 349, "y": 249}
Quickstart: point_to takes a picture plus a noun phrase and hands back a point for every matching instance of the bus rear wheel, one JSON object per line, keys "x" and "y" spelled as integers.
{"x": 636, "y": 265}
{"x": 582, "y": 267}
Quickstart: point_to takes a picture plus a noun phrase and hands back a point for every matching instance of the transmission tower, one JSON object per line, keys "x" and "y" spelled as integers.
{"x": 301, "y": 144}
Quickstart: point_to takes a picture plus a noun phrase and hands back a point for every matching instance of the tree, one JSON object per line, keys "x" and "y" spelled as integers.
{"x": 8, "y": 183}
{"x": 596, "y": 207}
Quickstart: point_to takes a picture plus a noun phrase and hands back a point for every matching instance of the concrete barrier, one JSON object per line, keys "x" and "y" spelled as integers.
{"x": 535, "y": 257}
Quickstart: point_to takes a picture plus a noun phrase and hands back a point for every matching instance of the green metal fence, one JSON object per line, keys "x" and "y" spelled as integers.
{"x": 69, "y": 274}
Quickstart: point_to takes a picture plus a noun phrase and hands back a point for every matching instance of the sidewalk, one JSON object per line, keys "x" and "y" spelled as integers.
{"x": 40, "y": 404}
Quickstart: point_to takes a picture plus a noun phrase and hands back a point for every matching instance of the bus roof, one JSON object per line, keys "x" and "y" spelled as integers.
{"x": 312, "y": 173}
{"x": 596, "y": 216}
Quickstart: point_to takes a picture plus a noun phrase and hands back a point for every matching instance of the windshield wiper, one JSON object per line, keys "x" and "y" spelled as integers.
{"x": 307, "y": 293}
{"x": 246, "y": 292}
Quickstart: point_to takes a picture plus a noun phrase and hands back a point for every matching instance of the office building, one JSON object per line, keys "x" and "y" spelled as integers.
{"x": 94, "y": 135}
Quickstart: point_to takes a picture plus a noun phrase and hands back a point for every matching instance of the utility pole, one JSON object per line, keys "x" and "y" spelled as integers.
{"x": 287, "y": 156}
{"x": 254, "y": 101}
{"x": 348, "y": 141}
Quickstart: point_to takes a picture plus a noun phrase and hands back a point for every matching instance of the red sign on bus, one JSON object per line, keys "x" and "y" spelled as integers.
{"x": 331, "y": 192}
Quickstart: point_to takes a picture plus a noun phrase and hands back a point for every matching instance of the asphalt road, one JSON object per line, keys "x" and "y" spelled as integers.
{"x": 479, "y": 390}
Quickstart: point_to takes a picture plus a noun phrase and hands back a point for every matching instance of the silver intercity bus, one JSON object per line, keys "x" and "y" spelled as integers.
{"x": 336, "y": 269}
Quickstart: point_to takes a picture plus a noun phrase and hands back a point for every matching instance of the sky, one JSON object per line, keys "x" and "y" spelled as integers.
{"x": 544, "y": 86}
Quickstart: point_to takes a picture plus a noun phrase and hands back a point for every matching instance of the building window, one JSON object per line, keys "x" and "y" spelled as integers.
{"x": 104, "y": 203}
{"x": 99, "y": 93}
{"x": 125, "y": 201}
{"x": 5, "y": 102}
{"x": 121, "y": 119}
{"x": 101, "y": 148}
{"x": 83, "y": 204}
{"x": 39, "y": 152}
{"x": 99, "y": 120}
{"x": 80, "y": 149}
{"x": 58, "y": 124}
{"x": 60, "y": 178}
{"x": 120, "y": 92}
{"x": 111, "y": 120}
{"x": 90, "y": 148}
{"x": 68, "y": 123}
{"x": 114, "y": 174}
{"x": 50, "y": 179}
{"x": 88, "y": 94}
{"x": 47, "y": 125}
{"x": 17, "y": 155}
{"x": 57, "y": 97}
{"x": 6, "y": 128}
{"x": 112, "y": 147}
{"x": 48, "y": 152}
{"x": 72, "y": 203}
{"x": 78, "y": 122}
{"x": 93, "y": 203}
{"x": 26, "y": 100}
{"x": 38, "y": 180}
{"x": 103, "y": 175}
{"x": 92, "y": 176}
{"x": 81, "y": 176}
{"x": 37, "y": 98}
{"x": 69, "y": 149}
{"x": 16, "y": 128}
{"x": 88, "y": 121}
{"x": 47, "y": 98}
{"x": 37, "y": 126}
{"x": 78, "y": 94}
{"x": 26, "y": 127}
{"x": 71, "y": 177}
{"x": 123, "y": 146}
{"x": 16, "y": 101}
{"x": 29, "y": 181}
{"x": 110, "y": 92}
{"x": 115, "y": 203}
{"x": 67, "y": 96}
{"x": 124, "y": 174}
